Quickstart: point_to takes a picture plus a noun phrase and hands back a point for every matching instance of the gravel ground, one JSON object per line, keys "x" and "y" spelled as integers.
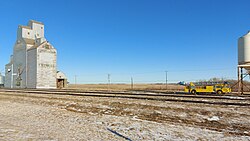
{"x": 55, "y": 117}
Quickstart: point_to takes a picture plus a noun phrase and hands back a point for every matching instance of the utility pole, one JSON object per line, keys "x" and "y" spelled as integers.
{"x": 109, "y": 81}
{"x": 166, "y": 80}
{"x": 132, "y": 83}
{"x": 75, "y": 79}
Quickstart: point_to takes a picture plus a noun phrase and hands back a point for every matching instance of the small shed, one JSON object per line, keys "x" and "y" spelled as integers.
{"x": 61, "y": 80}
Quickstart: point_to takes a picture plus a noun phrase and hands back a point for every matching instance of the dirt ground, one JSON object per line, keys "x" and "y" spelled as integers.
{"x": 55, "y": 117}
{"x": 122, "y": 87}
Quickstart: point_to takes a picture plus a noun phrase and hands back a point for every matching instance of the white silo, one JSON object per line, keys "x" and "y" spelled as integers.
{"x": 243, "y": 59}
{"x": 1, "y": 80}
{"x": 244, "y": 49}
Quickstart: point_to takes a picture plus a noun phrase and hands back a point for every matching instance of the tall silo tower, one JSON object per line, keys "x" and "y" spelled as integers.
{"x": 243, "y": 60}
{"x": 33, "y": 63}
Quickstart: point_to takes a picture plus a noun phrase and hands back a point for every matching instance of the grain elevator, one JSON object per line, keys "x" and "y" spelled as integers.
{"x": 34, "y": 60}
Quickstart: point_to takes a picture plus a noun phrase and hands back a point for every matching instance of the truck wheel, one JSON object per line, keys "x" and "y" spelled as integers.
{"x": 219, "y": 92}
{"x": 193, "y": 92}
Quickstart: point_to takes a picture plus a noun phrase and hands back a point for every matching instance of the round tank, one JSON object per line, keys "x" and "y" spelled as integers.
{"x": 244, "y": 49}
{"x": 1, "y": 80}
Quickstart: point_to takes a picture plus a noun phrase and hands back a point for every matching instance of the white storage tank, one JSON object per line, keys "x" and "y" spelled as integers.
{"x": 244, "y": 49}
{"x": 1, "y": 80}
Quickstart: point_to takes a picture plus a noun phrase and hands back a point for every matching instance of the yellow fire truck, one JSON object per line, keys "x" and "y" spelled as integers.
{"x": 208, "y": 87}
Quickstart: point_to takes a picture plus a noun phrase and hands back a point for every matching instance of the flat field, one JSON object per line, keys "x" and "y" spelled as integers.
{"x": 28, "y": 116}
{"x": 124, "y": 87}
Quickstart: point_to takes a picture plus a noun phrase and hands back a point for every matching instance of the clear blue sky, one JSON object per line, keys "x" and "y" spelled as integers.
{"x": 192, "y": 39}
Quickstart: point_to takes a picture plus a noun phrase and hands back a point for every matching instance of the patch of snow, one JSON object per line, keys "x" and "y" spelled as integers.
{"x": 233, "y": 97}
{"x": 214, "y": 118}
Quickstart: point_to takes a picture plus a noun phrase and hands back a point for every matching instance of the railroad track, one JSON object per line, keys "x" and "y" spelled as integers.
{"x": 145, "y": 93}
{"x": 203, "y": 99}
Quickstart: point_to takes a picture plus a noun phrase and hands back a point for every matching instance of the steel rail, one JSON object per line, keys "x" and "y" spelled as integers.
{"x": 135, "y": 96}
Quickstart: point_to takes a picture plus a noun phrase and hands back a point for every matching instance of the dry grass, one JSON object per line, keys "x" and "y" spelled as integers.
{"x": 124, "y": 87}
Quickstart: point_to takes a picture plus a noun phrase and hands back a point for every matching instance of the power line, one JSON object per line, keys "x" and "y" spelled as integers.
{"x": 201, "y": 70}
{"x": 154, "y": 72}
{"x": 166, "y": 80}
